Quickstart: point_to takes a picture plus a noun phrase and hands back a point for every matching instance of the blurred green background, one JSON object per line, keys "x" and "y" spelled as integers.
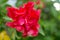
{"x": 49, "y": 21}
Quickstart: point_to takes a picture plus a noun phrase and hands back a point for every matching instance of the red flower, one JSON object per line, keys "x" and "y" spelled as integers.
{"x": 25, "y": 19}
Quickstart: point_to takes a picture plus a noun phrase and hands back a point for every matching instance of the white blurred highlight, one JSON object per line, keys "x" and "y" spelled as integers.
{"x": 57, "y": 6}
{"x": 53, "y": 0}
{"x": 12, "y": 2}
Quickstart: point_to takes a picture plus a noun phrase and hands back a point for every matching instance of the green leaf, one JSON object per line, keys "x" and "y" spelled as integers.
{"x": 49, "y": 38}
{"x": 19, "y": 3}
{"x": 41, "y": 31}
{"x": 3, "y": 1}
{"x": 54, "y": 12}
{"x": 7, "y": 18}
{"x": 39, "y": 37}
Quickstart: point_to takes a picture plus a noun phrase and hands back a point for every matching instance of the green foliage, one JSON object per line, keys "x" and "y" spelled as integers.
{"x": 49, "y": 22}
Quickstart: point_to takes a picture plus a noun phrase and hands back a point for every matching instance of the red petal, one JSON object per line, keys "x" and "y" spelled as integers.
{"x": 10, "y": 24}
